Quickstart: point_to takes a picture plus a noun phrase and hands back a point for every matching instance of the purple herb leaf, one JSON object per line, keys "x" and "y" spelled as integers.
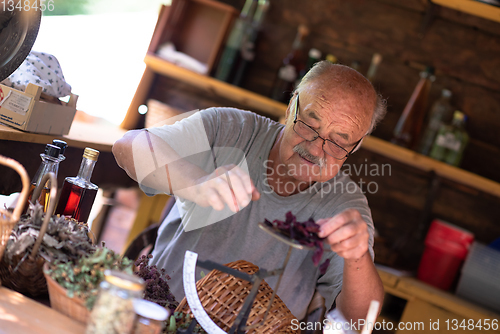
{"x": 324, "y": 266}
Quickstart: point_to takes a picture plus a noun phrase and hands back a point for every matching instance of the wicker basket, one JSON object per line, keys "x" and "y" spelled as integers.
{"x": 25, "y": 273}
{"x": 222, "y": 296}
{"x": 72, "y": 307}
{"x": 7, "y": 219}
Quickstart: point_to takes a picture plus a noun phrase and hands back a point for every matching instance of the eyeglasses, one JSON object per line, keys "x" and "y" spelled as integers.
{"x": 308, "y": 133}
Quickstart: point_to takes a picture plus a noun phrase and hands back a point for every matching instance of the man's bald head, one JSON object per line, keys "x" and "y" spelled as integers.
{"x": 346, "y": 84}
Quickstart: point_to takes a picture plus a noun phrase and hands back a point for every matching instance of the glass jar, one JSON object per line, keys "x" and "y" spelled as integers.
{"x": 150, "y": 317}
{"x": 113, "y": 311}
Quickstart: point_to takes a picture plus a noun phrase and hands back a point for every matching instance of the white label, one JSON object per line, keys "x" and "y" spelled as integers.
{"x": 449, "y": 141}
{"x": 188, "y": 273}
{"x": 16, "y": 102}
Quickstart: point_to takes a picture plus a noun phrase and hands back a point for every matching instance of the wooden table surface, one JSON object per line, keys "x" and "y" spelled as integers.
{"x": 20, "y": 314}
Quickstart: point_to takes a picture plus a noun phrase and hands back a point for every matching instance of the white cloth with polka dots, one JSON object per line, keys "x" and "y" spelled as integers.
{"x": 41, "y": 69}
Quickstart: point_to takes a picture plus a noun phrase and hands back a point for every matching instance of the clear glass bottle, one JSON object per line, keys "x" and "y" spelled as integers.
{"x": 441, "y": 113}
{"x": 113, "y": 311}
{"x": 78, "y": 193}
{"x": 292, "y": 64}
{"x": 451, "y": 141}
{"x": 50, "y": 163}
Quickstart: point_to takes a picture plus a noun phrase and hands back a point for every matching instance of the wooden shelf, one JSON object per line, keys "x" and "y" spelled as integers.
{"x": 258, "y": 102}
{"x": 242, "y": 96}
{"x": 473, "y": 7}
{"x": 427, "y": 303}
{"x": 425, "y": 163}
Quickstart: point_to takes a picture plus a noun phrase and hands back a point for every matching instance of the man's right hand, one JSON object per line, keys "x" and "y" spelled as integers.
{"x": 226, "y": 185}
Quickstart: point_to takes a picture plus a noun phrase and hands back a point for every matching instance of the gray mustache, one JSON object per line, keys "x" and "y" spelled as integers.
{"x": 305, "y": 154}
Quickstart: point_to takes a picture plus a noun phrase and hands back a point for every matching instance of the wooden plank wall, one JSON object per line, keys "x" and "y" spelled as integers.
{"x": 465, "y": 51}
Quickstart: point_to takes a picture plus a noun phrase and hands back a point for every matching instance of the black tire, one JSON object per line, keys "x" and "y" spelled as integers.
{"x": 18, "y": 31}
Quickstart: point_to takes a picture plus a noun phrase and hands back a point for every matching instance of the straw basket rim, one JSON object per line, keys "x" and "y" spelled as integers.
{"x": 24, "y": 273}
{"x": 73, "y": 307}
{"x": 222, "y": 296}
{"x": 9, "y": 219}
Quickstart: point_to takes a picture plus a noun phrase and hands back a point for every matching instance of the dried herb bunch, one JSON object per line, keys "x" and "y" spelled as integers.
{"x": 306, "y": 233}
{"x": 157, "y": 289}
{"x": 65, "y": 239}
{"x": 82, "y": 278}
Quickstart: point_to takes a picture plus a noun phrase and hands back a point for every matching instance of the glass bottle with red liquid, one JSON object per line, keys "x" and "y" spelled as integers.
{"x": 78, "y": 193}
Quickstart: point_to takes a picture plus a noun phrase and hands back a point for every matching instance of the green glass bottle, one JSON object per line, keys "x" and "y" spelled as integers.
{"x": 249, "y": 39}
{"x": 233, "y": 45}
{"x": 451, "y": 141}
{"x": 441, "y": 113}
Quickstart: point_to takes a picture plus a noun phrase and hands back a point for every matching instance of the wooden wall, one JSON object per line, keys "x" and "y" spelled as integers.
{"x": 464, "y": 50}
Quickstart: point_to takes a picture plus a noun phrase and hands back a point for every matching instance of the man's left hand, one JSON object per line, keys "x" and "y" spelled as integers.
{"x": 346, "y": 233}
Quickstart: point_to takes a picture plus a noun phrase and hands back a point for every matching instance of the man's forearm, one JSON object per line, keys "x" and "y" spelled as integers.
{"x": 361, "y": 284}
{"x": 154, "y": 164}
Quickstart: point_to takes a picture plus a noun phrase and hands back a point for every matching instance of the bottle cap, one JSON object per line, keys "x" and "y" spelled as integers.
{"x": 428, "y": 73}
{"x": 314, "y": 53}
{"x": 150, "y": 310}
{"x": 303, "y": 30}
{"x": 52, "y": 150}
{"x": 458, "y": 115}
{"x": 446, "y": 92}
{"x": 288, "y": 73}
{"x": 124, "y": 280}
{"x": 61, "y": 144}
{"x": 331, "y": 58}
{"x": 91, "y": 154}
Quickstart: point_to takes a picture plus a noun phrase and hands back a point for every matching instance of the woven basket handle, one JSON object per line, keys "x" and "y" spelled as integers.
{"x": 25, "y": 182}
{"x": 50, "y": 209}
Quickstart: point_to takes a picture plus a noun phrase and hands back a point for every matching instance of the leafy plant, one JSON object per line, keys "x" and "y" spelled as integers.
{"x": 82, "y": 278}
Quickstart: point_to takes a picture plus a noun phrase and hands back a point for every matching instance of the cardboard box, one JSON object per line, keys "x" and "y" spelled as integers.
{"x": 197, "y": 28}
{"x": 25, "y": 111}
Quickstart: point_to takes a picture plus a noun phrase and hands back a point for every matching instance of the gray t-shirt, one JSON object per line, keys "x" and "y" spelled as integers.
{"x": 231, "y": 237}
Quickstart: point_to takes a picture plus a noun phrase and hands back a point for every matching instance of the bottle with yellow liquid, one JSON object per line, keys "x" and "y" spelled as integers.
{"x": 50, "y": 163}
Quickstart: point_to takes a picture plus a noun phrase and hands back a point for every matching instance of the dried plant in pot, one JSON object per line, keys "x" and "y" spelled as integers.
{"x": 39, "y": 237}
{"x": 74, "y": 285}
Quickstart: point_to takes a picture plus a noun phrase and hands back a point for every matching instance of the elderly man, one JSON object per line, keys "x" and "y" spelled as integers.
{"x": 231, "y": 169}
